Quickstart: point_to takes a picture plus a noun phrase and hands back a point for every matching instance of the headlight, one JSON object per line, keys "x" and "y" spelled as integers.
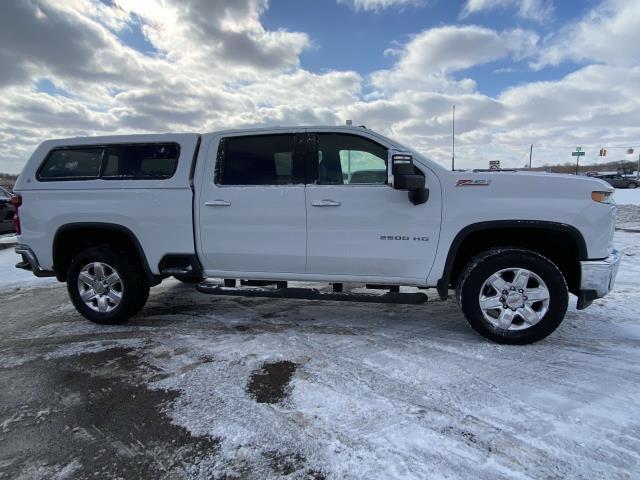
{"x": 602, "y": 197}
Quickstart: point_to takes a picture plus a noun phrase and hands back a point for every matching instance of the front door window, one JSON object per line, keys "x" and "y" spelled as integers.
{"x": 349, "y": 159}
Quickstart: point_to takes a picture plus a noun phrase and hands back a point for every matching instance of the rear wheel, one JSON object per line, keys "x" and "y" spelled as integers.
{"x": 632, "y": 185}
{"x": 106, "y": 285}
{"x": 513, "y": 296}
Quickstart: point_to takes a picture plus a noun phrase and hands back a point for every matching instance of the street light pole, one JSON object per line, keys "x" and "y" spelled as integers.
{"x": 530, "y": 155}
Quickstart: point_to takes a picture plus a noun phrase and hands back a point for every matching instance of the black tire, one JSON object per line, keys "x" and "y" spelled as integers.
{"x": 188, "y": 279}
{"x": 481, "y": 267}
{"x": 632, "y": 185}
{"x": 134, "y": 284}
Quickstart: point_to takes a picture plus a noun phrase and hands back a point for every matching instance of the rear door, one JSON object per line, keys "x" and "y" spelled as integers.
{"x": 360, "y": 226}
{"x": 251, "y": 204}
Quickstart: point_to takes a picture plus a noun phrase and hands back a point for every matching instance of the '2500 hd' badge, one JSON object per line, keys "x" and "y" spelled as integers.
{"x": 415, "y": 238}
{"x": 472, "y": 183}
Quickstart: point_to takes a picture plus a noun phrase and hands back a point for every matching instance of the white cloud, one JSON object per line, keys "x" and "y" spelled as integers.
{"x": 428, "y": 59}
{"x": 217, "y": 33}
{"x": 608, "y": 34}
{"x": 216, "y": 66}
{"x": 452, "y": 48}
{"x": 377, "y": 5}
{"x": 537, "y": 10}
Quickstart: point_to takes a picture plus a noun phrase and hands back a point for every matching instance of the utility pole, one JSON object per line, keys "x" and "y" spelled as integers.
{"x": 638, "y": 172}
{"x": 530, "y": 155}
{"x": 453, "y": 140}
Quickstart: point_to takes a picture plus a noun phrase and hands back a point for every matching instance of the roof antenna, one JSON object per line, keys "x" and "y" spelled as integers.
{"x": 349, "y": 122}
{"x": 453, "y": 140}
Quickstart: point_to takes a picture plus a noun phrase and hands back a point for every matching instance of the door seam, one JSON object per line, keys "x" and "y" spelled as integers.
{"x": 306, "y": 230}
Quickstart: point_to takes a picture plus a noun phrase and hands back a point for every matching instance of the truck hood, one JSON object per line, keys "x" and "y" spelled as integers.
{"x": 549, "y": 183}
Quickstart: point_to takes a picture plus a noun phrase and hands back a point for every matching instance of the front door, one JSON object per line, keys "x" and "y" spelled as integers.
{"x": 251, "y": 207}
{"x": 360, "y": 226}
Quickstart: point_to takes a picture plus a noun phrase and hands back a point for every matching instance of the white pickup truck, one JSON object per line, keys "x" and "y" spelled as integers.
{"x": 113, "y": 216}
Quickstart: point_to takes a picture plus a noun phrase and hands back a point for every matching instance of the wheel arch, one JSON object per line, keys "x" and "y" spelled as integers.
{"x": 561, "y": 242}
{"x": 70, "y": 238}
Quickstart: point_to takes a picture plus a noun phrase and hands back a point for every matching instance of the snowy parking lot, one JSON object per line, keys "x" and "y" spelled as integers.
{"x": 227, "y": 387}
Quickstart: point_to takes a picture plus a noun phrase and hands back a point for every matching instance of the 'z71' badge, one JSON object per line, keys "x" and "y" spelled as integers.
{"x": 472, "y": 183}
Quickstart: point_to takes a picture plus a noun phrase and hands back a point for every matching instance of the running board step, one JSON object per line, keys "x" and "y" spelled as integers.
{"x": 313, "y": 294}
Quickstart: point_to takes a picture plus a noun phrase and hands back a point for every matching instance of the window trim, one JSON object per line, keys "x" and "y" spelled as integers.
{"x": 314, "y": 162}
{"x": 220, "y": 154}
{"x": 100, "y": 176}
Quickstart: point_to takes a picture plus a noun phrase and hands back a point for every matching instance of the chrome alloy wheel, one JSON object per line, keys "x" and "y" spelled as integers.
{"x": 100, "y": 287}
{"x": 514, "y": 299}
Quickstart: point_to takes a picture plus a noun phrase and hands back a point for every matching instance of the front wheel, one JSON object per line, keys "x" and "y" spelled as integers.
{"x": 513, "y": 296}
{"x": 107, "y": 286}
{"x": 632, "y": 185}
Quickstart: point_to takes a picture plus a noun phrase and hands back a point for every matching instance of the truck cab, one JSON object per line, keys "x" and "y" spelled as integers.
{"x": 318, "y": 204}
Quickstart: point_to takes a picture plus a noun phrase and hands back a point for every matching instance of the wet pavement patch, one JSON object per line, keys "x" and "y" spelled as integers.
{"x": 189, "y": 309}
{"x": 270, "y": 383}
{"x": 91, "y": 413}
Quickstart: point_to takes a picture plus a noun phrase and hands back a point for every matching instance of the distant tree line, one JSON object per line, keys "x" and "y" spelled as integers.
{"x": 570, "y": 167}
{"x": 8, "y": 180}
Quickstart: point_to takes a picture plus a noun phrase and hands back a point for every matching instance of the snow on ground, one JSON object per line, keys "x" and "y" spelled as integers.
{"x": 371, "y": 390}
{"x": 8, "y": 240}
{"x": 12, "y": 278}
{"x": 384, "y": 391}
{"x": 629, "y": 246}
{"x": 627, "y": 196}
{"x": 407, "y": 393}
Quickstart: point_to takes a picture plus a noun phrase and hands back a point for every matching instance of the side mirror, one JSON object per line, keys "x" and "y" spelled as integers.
{"x": 403, "y": 176}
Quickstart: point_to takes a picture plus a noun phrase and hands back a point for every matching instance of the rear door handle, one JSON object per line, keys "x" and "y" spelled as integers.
{"x": 327, "y": 202}
{"x": 217, "y": 203}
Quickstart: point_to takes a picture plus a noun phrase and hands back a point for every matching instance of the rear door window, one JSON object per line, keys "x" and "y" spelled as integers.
{"x": 259, "y": 160}
{"x": 70, "y": 164}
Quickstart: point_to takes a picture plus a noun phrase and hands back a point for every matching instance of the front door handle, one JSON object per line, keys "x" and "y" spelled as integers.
{"x": 327, "y": 202}
{"x": 217, "y": 203}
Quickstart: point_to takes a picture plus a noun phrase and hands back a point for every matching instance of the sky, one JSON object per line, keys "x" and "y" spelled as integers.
{"x": 552, "y": 74}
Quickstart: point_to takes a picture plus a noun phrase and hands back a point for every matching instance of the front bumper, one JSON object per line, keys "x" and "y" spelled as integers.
{"x": 30, "y": 262}
{"x": 597, "y": 278}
